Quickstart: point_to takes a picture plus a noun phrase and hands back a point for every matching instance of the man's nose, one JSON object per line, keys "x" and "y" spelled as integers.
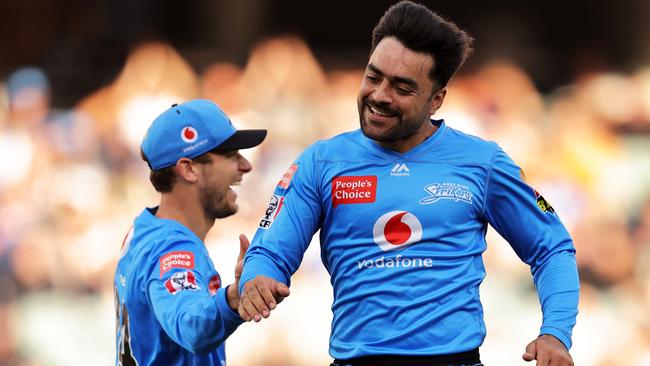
{"x": 382, "y": 95}
{"x": 244, "y": 165}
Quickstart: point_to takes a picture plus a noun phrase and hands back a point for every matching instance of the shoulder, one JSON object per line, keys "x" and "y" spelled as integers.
{"x": 474, "y": 148}
{"x": 337, "y": 147}
{"x": 160, "y": 236}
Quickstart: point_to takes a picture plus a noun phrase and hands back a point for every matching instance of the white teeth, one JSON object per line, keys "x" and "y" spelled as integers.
{"x": 235, "y": 185}
{"x": 377, "y": 112}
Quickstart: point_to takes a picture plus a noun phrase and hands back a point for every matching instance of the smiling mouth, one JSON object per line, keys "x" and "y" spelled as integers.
{"x": 234, "y": 187}
{"x": 380, "y": 113}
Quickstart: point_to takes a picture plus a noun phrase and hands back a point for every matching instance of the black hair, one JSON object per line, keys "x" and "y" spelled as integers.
{"x": 420, "y": 29}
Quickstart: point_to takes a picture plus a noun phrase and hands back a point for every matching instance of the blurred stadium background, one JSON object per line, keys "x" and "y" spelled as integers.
{"x": 563, "y": 86}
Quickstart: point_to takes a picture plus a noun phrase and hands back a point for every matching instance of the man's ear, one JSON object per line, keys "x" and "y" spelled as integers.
{"x": 187, "y": 171}
{"x": 436, "y": 100}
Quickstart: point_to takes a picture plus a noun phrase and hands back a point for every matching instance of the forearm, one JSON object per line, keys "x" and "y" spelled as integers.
{"x": 204, "y": 325}
{"x": 558, "y": 288}
{"x": 258, "y": 263}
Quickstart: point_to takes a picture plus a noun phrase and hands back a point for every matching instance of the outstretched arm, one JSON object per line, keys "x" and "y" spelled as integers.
{"x": 284, "y": 233}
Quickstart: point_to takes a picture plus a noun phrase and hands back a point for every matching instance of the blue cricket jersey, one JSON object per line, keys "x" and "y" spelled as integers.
{"x": 402, "y": 237}
{"x": 170, "y": 307}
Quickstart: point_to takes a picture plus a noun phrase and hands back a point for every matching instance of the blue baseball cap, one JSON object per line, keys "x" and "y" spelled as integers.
{"x": 191, "y": 129}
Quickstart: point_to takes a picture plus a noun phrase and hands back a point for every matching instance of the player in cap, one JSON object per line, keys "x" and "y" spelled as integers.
{"x": 171, "y": 307}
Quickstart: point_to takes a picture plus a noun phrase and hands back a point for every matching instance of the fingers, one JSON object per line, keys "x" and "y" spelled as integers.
{"x": 243, "y": 247}
{"x": 548, "y": 351}
{"x": 247, "y": 310}
{"x": 531, "y": 351}
{"x": 256, "y": 295}
{"x": 261, "y": 295}
{"x": 281, "y": 291}
{"x": 244, "y": 243}
{"x": 267, "y": 298}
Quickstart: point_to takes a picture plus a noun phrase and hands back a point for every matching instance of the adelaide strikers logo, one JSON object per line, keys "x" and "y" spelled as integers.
{"x": 189, "y": 134}
{"x": 396, "y": 230}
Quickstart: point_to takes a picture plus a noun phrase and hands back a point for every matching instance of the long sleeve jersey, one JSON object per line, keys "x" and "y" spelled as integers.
{"x": 402, "y": 237}
{"x": 170, "y": 306}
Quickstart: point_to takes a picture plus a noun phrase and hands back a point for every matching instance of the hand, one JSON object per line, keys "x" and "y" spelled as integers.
{"x": 233, "y": 290}
{"x": 260, "y": 296}
{"x": 548, "y": 351}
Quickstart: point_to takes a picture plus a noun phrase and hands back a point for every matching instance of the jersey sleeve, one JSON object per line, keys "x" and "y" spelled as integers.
{"x": 288, "y": 224}
{"x": 532, "y": 227}
{"x": 186, "y": 295}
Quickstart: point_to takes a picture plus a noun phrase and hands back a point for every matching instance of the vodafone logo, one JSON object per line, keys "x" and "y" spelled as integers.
{"x": 189, "y": 134}
{"x": 396, "y": 230}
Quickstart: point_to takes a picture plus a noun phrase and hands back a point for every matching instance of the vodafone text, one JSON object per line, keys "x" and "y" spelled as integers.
{"x": 398, "y": 262}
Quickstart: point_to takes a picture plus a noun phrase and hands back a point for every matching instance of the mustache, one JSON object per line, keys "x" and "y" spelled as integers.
{"x": 381, "y": 107}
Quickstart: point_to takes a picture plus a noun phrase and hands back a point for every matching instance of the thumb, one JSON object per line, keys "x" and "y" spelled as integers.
{"x": 243, "y": 246}
{"x": 281, "y": 289}
{"x": 531, "y": 351}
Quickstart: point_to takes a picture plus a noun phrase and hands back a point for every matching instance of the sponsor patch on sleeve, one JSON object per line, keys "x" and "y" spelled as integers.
{"x": 354, "y": 189}
{"x": 272, "y": 211}
{"x": 542, "y": 203}
{"x": 286, "y": 178}
{"x": 181, "y": 281}
{"x": 181, "y": 259}
{"x": 214, "y": 285}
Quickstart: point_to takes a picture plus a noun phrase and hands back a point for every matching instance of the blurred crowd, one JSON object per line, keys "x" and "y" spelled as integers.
{"x": 72, "y": 180}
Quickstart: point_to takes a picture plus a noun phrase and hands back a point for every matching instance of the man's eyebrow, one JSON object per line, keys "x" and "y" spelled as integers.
{"x": 395, "y": 79}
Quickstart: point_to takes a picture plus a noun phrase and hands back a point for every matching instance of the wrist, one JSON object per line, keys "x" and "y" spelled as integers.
{"x": 232, "y": 296}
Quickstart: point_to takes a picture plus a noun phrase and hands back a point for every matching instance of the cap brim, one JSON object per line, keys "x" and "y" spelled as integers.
{"x": 243, "y": 139}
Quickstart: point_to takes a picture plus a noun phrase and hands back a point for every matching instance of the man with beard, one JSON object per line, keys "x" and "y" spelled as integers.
{"x": 170, "y": 306}
{"x": 403, "y": 205}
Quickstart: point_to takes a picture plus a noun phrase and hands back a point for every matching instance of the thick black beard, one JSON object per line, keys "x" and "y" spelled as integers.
{"x": 214, "y": 204}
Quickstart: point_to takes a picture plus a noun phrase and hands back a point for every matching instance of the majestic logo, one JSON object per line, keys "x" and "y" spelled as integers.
{"x": 214, "y": 285}
{"x": 286, "y": 178}
{"x": 176, "y": 260}
{"x": 354, "y": 189}
{"x": 396, "y": 230}
{"x": 451, "y": 191}
{"x": 181, "y": 281}
{"x": 400, "y": 170}
{"x": 272, "y": 211}
{"x": 189, "y": 134}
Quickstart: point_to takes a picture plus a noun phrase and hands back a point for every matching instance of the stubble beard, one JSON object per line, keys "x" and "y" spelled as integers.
{"x": 215, "y": 204}
{"x": 401, "y": 130}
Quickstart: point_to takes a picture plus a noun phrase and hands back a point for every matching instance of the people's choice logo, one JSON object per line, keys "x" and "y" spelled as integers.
{"x": 354, "y": 189}
{"x": 396, "y": 230}
{"x": 189, "y": 134}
